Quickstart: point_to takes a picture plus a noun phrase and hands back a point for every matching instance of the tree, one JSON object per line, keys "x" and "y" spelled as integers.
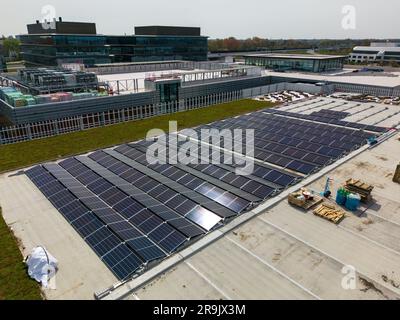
{"x": 11, "y": 47}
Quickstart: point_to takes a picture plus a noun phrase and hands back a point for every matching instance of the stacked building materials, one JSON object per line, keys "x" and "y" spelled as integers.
{"x": 359, "y": 187}
{"x": 329, "y": 212}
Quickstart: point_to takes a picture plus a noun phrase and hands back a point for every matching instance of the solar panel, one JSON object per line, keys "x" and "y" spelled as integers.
{"x": 132, "y": 213}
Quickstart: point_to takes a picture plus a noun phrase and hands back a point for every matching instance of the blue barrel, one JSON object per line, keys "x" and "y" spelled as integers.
{"x": 341, "y": 197}
{"x": 353, "y": 201}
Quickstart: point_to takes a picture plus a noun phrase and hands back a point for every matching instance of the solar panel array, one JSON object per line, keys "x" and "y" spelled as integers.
{"x": 328, "y": 115}
{"x": 133, "y": 214}
{"x": 329, "y": 120}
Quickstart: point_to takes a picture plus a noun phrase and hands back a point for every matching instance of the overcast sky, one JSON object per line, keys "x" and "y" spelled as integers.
{"x": 219, "y": 18}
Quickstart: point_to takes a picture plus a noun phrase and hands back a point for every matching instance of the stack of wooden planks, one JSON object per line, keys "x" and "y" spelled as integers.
{"x": 329, "y": 212}
{"x": 359, "y": 187}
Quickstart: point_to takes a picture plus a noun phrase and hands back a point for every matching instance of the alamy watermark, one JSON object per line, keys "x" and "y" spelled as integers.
{"x": 349, "y": 281}
{"x": 210, "y": 146}
{"x": 349, "y": 21}
{"x": 49, "y": 16}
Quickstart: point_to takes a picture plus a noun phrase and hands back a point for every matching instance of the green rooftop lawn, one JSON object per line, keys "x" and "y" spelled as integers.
{"x": 19, "y": 155}
{"x": 15, "y": 283}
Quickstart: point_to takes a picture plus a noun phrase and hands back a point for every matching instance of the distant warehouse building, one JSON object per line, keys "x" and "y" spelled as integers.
{"x": 376, "y": 52}
{"x": 78, "y": 42}
{"x": 308, "y": 63}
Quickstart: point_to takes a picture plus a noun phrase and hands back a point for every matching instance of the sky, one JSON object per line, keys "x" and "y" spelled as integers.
{"x": 272, "y": 19}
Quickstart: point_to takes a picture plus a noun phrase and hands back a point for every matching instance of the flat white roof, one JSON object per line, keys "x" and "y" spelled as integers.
{"x": 373, "y": 80}
{"x": 297, "y": 56}
{"x": 362, "y": 48}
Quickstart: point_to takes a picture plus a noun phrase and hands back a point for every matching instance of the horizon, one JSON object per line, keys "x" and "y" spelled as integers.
{"x": 297, "y": 20}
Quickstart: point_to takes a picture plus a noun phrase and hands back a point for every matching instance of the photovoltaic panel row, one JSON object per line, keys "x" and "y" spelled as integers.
{"x": 138, "y": 236}
{"x": 135, "y": 216}
{"x": 342, "y": 123}
{"x": 330, "y": 114}
{"x": 266, "y": 155}
{"x": 188, "y": 210}
{"x": 334, "y": 137}
{"x": 213, "y": 193}
{"x": 219, "y": 177}
{"x": 262, "y": 182}
{"x": 119, "y": 258}
{"x": 321, "y": 139}
{"x": 277, "y": 152}
{"x": 295, "y": 145}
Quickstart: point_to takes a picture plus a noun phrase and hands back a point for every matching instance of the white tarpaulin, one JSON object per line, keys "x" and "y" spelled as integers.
{"x": 42, "y": 266}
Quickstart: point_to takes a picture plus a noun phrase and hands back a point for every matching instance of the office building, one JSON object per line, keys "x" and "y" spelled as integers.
{"x": 60, "y": 42}
{"x": 376, "y": 52}
{"x": 308, "y": 63}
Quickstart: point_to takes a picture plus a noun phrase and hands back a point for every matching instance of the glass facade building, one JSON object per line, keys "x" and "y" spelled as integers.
{"x": 308, "y": 63}
{"x": 41, "y": 49}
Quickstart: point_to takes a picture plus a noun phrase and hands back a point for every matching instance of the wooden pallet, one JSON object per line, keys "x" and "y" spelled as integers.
{"x": 359, "y": 187}
{"x": 304, "y": 204}
{"x": 329, "y": 212}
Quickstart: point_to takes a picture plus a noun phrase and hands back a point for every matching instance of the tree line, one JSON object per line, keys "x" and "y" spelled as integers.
{"x": 260, "y": 44}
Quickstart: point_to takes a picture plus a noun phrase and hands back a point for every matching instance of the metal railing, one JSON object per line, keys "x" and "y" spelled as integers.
{"x": 32, "y": 131}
